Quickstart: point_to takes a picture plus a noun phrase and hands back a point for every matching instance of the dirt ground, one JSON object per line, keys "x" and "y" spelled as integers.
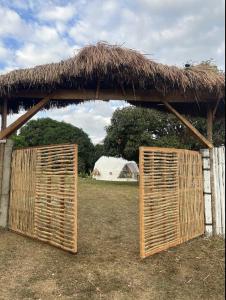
{"x": 107, "y": 265}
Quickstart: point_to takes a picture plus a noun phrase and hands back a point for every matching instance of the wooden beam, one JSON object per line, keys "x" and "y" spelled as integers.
{"x": 112, "y": 94}
{"x": 4, "y": 113}
{"x": 190, "y": 127}
{"x": 95, "y": 94}
{"x": 23, "y": 119}
{"x": 210, "y": 117}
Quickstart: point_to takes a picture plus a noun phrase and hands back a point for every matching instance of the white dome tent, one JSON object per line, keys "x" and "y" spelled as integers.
{"x": 115, "y": 169}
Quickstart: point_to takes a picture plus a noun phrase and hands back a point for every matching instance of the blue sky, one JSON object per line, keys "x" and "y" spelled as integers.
{"x": 171, "y": 31}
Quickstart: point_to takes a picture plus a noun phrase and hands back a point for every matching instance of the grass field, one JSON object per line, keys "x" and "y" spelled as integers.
{"x": 107, "y": 265}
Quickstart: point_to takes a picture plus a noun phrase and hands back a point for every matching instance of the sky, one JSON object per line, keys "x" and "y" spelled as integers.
{"x": 173, "y": 32}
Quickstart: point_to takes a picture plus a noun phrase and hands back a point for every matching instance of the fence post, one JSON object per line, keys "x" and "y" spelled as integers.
{"x": 218, "y": 174}
{"x": 212, "y": 179}
{"x": 5, "y": 183}
{"x": 207, "y": 191}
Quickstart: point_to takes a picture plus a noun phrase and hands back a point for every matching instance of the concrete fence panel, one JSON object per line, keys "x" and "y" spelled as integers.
{"x": 6, "y": 148}
{"x": 219, "y": 186}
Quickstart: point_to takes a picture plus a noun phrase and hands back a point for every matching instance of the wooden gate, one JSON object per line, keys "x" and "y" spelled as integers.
{"x": 43, "y": 197}
{"x": 171, "y": 198}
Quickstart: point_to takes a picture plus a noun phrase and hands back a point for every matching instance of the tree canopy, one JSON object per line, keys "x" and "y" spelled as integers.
{"x": 133, "y": 127}
{"x": 130, "y": 128}
{"x": 47, "y": 131}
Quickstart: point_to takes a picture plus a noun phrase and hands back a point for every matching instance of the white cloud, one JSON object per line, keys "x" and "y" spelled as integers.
{"x": 45, "y": 34}
{"x": 173, "y": 31}
{"x": 44, "y": 46}
{"x": 11, "y": 23}
{"x": 3, "y": 52}
{"x": 38, "y": 43}
{"x": 57, "y": 13}
{"x": 169, "y": 6}
{"x": 30, "y": 55}
{"x": 221, "y": 49}
{"x": 15, "y": 4}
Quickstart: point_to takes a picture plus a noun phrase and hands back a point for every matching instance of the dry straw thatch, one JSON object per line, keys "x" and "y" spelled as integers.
{"x": 111, "y": 67}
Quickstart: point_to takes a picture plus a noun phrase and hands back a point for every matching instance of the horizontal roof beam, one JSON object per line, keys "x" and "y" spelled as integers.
{"x": 129, "y": 95}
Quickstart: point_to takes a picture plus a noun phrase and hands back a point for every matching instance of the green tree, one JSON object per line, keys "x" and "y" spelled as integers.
{"x": 134, "y": 127}
{"x": 98, "y": 152}
{"x": 47, "y": 132}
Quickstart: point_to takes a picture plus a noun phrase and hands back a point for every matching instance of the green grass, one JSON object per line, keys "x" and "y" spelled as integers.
{"x": 107, "y": 265}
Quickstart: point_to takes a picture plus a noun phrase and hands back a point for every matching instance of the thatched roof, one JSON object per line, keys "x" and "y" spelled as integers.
{"x": 111, "y": 67}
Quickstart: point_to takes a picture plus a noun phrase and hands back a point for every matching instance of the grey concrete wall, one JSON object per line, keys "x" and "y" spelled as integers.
{"x": 5, "y": 172}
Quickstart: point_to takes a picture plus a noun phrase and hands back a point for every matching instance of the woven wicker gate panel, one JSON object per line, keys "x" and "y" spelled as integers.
{"x": 43, "y": 201}
{"x": 171, "y": 198}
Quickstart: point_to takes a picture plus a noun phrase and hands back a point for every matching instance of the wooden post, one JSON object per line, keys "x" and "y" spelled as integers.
{"x": 4, "y": 112}
{"x": 210, "y": 115}
{"x": 210, "y": 124}
{"x": 216, "y": 107}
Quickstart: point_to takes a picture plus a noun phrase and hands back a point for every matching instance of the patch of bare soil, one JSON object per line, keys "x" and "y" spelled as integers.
{"x": 107, "y": 265}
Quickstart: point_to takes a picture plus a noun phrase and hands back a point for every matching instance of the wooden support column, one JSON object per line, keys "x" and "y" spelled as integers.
{"x": 216, "y": 108}
{"x": 190, "y": 127}
{"x": 23, "y": 119}
{"x": 210, "y": 116}
{"x": 4, "y": 111}
{"x": 210, "y": 124}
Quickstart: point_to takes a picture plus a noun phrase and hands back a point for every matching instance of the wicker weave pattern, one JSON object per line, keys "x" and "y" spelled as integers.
{"x": 171, "y": 198}
{"x": 43, "y": 200}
